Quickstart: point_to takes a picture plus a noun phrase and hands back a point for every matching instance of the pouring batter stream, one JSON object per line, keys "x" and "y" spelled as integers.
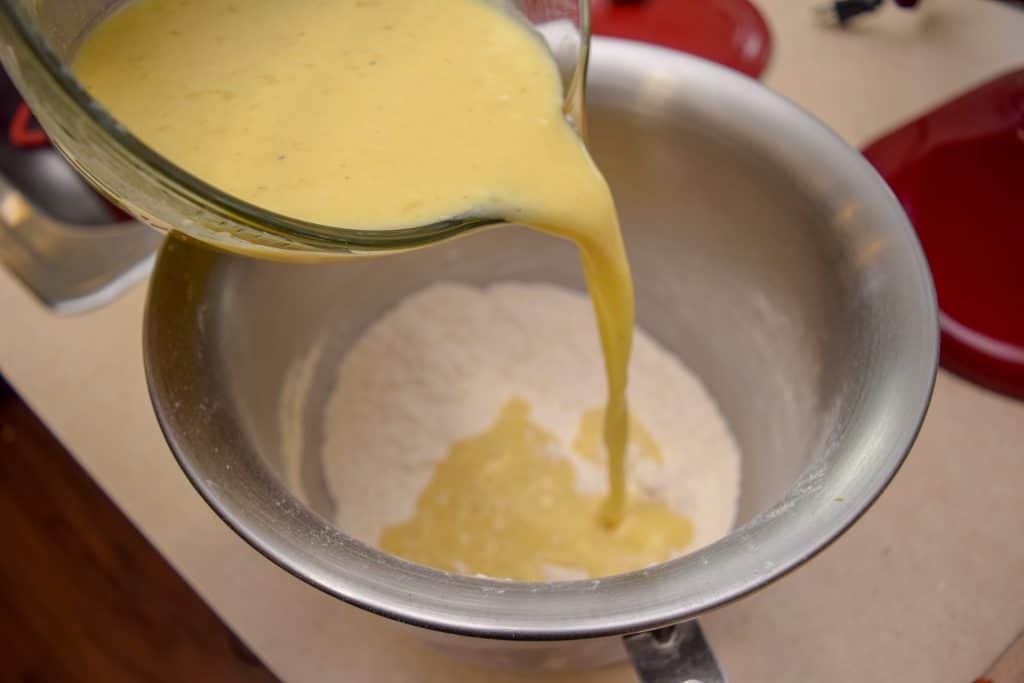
{"x": 378, "y": 115}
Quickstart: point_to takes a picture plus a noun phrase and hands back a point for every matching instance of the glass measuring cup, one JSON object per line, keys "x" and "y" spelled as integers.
{"x": 39, "y": 38}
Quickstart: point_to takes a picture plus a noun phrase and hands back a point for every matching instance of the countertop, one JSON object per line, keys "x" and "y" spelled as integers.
{"x": 928, "y": 586}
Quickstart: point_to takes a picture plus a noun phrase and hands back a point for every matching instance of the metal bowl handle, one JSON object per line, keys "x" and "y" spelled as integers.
{"x": 674, "y": 654}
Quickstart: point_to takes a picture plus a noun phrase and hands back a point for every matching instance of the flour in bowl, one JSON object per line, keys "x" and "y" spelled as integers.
{"x": 443, "y": 365}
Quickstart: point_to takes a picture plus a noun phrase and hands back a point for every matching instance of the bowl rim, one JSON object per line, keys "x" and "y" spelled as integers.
{"x": 818, "y": 508}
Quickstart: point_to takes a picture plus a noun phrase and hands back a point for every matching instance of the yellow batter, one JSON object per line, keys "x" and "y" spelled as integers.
{"x": 462, "y": 521}
{"x": 376, "y": 114}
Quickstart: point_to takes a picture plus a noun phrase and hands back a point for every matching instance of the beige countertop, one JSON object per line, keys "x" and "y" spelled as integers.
{"x": 928, "y": 587}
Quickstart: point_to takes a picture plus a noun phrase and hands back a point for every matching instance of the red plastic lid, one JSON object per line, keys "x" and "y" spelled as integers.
{"x": 730, "y": 32}
{"x": 959, "y": 173}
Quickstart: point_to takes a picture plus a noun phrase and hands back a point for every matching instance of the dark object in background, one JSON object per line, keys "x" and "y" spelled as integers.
{"x": 959, "y": 173}
{"x": 730, "y": 32}
{"x": 842, "y": 11}
{"x": 40, "y": 173}
{"x": 83, "y": 596}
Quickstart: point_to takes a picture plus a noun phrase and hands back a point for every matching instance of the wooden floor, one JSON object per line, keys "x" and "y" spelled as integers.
{"x": 83, "y": 596}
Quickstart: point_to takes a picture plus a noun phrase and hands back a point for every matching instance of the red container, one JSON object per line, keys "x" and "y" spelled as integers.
{"x": 959, "y": 173}
{"x": 730, "y": 32}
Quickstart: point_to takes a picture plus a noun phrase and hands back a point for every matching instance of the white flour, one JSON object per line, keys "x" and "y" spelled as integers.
{"x": 439, "y": 367}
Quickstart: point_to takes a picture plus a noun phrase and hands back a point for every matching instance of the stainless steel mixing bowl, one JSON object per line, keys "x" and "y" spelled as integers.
{"x": 767, "y": 255}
